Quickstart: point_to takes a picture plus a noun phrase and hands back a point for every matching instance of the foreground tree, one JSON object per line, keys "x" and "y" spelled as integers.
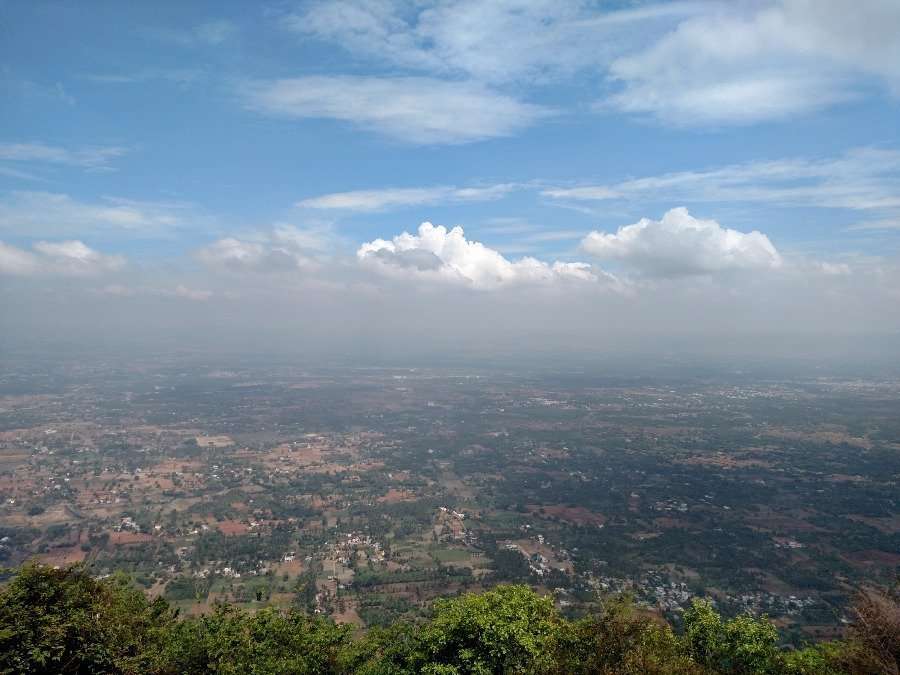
{"x": 506, "y": 630}
{"x": 230, "y": 641}
{"x": 621, "y": 640}
{"x": 742, "y": 645}
{"x": 64, "y": 621}
{"x": 874, "y": 645}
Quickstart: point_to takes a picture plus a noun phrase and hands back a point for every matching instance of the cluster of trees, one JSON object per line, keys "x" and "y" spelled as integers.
{"x": 65, "y": 621}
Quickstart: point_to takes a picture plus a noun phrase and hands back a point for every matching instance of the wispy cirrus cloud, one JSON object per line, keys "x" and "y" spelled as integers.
{"x": 51, "y": 214}
{"x": 183, "y": 77}
{"x": 417, "y": 110}
{"x": 389, "y": 198}
{"x": 862, "y": 179}
{"x": 209, "y": 33}
{"x": 486, "y": 41}
{"x": 464, "y": 53}
{"x": 685, "y": 63}
{"x": 749, "y": 62}
{"x": 878, "y": 225}
{"x": 88, "y": 157}
{"x": 20, "y": 175}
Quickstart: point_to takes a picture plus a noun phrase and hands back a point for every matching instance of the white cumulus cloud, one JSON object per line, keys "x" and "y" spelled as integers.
{"x": 416, "y": 110}
{"x": 681, "y": 245}
{"x": 437, "y": 253}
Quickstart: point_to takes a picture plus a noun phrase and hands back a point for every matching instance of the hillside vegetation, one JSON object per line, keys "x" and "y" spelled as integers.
{"x": 65, "y": 621}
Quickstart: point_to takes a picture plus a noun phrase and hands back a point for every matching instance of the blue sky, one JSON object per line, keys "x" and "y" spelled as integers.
{"x": 147, "y": 147}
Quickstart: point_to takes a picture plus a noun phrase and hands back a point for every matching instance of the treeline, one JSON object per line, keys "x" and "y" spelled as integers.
{"x": 65, "y": 621}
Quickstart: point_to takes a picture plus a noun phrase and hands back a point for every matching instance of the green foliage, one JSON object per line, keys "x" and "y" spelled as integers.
{"x": 506, "y": 630}
{"x": 64, "y": 621}
{"x": 510, "y": 565}
{"x": 382, "y": 610}
{"x": 395, "y": 650}
{"x": 621, "y": 641}
{"x": 742, "y": 645}
{"x": 821, "y": 659}
{"x": 186, "y": 588}
{"x": 230, "y": 642}
{"x": 750, "y": 645}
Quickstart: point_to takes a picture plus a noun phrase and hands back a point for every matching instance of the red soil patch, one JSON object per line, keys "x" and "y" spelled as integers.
{"x": 723, "y": 461}
{"x": 825, "y": 437}
{"x": 668, "y": 523}
{"x": 393, "y": 496}
{"x": 232, "y": 527}
{"x": 886, "y": 525}
{"x": 63, "y": 556}
{"x": 876, "y": 557}
{"x": 572, "y": 514}
{"x": 129, "y": 538}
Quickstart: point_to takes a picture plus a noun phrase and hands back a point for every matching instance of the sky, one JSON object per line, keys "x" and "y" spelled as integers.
{"x": 383, "y": 179}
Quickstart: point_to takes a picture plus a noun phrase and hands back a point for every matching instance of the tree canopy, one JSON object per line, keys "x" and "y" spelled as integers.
{"x": 66, "y": 621}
